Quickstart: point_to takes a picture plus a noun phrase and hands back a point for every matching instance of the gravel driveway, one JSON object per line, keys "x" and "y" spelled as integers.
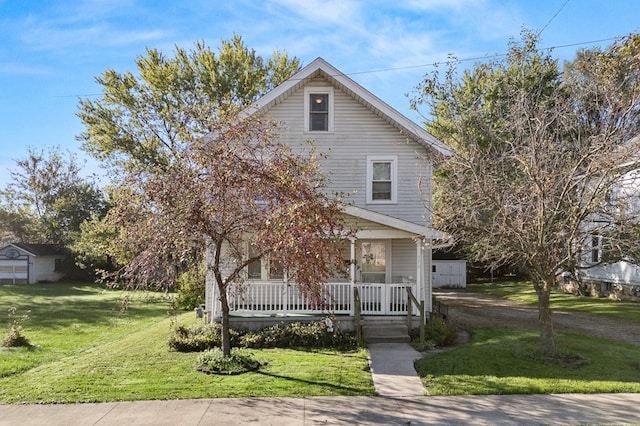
{"x": 470, "y": 310}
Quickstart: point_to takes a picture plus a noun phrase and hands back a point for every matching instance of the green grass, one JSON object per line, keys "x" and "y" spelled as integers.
{"x": 88, "y": 350}
{"x": 65, "y": 318}
{"x": 522, "y": 291}
{"x": 499, "y": 361}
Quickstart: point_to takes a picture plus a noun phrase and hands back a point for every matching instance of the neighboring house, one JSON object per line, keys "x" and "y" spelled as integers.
{"x": 381, "y": 157}
{"x": 595, "y": 275}
{"x": 30, "y": 263}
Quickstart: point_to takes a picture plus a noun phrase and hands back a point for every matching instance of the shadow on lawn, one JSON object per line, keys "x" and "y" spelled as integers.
{"x": 343, "y": 390}
{"x": 57, "y": 305}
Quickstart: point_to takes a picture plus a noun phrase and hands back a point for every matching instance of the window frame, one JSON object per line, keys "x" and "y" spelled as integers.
{"x": 595, "y": 249}
{"x": 308, "y": 91}
{"x": 393, "y": 160}
{"x": 267, "y": 267}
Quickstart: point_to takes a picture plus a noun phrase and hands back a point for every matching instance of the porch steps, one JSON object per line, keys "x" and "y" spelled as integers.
{"x": 385, "y": 333}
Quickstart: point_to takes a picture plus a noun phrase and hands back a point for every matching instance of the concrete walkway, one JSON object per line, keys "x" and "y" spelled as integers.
{"x": 400, "y": 403}
{"x": 392, "y": 369}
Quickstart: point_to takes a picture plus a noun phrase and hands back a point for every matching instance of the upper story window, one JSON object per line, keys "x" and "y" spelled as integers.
{"x": 596, "y": 248}
{"x": 318, "y": 108}
{"x": 382, "y": 179}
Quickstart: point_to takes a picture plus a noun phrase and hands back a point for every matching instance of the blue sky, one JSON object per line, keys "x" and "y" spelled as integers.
{"x": 52, "y": 50}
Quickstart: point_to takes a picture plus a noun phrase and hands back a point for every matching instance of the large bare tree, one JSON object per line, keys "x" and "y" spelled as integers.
{"x": 537, "y": 155}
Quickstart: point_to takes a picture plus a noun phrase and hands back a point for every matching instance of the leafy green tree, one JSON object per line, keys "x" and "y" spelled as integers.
{"x": 535, "y": 159}
{"x": 149, "y": 118}
{"x": 47, "y": 199}
{"x": 605, "y": 82}
{"x": 96, "y": 248}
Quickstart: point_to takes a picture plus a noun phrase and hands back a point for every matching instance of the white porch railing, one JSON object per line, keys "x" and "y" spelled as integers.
{"x": 279, "y": 298}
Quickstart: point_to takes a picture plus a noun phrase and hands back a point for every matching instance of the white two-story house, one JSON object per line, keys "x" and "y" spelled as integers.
{"x": 597, "y": 274}
{"x": 385, "y": 161}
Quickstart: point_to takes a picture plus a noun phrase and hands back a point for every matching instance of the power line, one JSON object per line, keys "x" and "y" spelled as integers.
{"x": 553, "y": 17}
{"x": 435, "y": 64}
{"x": 478, "y": 58}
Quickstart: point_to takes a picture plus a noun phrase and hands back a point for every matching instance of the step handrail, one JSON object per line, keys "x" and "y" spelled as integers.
{"x": 420, "y": 305}
{"x": 357, "y": 313}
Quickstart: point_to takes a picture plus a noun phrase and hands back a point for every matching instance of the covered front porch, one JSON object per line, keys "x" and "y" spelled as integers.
{"x": 388, "y": 262}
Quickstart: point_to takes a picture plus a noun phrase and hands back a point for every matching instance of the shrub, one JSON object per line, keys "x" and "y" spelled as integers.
{"x": 198, "y": 338}
{"x": 213, "y": 362}
{"x": 191, "y": 289}
{"x": 281, "y": 335}
{"x": 297, "y": 334}
{"x": 15, "y": 338}
{"x": 439, "y": 332}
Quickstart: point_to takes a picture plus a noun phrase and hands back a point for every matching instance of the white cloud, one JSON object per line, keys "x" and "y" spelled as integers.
{"x": 23, "y": 69}
{"x": 438, "y": 5}
{"x": 324, "y": 12}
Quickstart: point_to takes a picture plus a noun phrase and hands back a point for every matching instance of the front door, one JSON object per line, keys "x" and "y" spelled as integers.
{"x": 373, "y": 261}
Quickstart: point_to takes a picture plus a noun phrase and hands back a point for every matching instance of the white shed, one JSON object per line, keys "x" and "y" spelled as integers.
{"x": 30, "y": 263}
{"x": 448, "y": 270}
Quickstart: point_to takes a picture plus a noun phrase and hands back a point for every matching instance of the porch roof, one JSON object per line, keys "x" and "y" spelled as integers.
{"x": 397, "y": 228}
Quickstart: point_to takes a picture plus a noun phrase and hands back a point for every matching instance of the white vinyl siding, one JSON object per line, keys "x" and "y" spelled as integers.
{"x": 404, "y": 260}
{"x": 358, "y": 133}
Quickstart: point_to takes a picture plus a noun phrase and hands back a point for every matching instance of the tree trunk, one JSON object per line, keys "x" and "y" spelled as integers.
{"x": 226, "y": 335}
{"x": 544, "y": 319}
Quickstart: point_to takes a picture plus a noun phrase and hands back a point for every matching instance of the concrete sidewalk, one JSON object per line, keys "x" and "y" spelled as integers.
{"x": 401, "y": 402}
{"x": 568, "y": 409}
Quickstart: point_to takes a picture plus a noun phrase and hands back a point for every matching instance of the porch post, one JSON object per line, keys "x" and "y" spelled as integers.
{"x": 352, "y": 264}
{"x": 429, "y": 279}
{"x": 352, "y": 273}
{"x": 285, "y": 303}
{"x": 420, "y": 284}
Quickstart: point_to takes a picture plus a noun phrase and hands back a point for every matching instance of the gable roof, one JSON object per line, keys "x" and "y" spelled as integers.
{"x": 321, "y": 68}
{"x": 38, "y": 249}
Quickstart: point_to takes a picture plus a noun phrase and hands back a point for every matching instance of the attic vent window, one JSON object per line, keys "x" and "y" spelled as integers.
{"x": 12, "y": 254}
{"x": 318, "y": 108}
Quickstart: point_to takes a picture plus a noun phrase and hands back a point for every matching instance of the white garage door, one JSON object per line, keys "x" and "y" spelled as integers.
{"x": 14, "y": 270}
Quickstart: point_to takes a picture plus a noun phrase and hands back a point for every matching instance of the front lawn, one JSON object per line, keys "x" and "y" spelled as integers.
{"x": 505, "y": 361}
{"x": 89, "y": 349}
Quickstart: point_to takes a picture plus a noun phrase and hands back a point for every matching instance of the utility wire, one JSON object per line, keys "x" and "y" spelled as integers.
{"x": 435, "y": 64}
{"x": 478, "y": 58}
{"x": 553, "y": 17}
